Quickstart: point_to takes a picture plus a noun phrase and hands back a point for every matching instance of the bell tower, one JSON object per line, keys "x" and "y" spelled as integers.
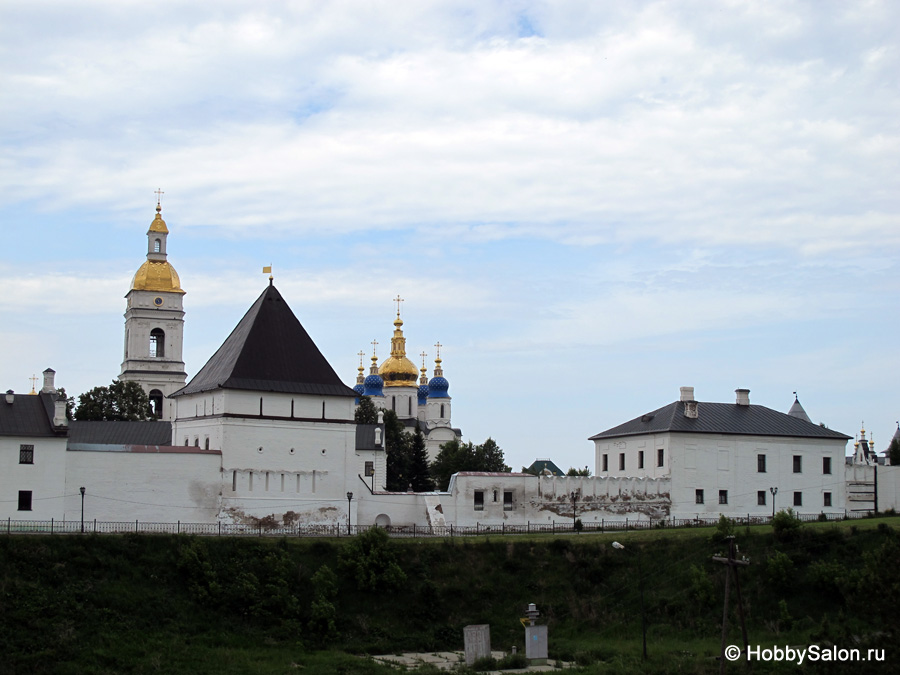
{"x": 154, "y": 325}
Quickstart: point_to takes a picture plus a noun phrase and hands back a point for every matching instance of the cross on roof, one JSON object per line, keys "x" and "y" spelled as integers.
{"x": 398, "y": 300}
{"x": 361, "y": 355}
{"x": 374, "y": 344}
{"x": 159, "y": 194}
{"x": 423, "y": 355}
{"x": 437, "y": 345}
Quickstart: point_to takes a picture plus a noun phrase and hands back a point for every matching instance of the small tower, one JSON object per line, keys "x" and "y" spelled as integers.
{"x": 798, "y": 411}
{"x": 399, "y": 374}
{"x": 154, "y": 325}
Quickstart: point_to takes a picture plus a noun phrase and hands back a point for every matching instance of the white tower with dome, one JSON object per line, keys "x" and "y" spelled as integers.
{"x": 154, "y": 325}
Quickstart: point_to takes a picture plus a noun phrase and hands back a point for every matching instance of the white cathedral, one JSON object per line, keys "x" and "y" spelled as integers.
{"x": 265, "y": 432}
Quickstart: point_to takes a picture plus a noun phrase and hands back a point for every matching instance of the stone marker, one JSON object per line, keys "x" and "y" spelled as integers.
{"x": 478, "y": 642}
{"x": 536, "y": 644}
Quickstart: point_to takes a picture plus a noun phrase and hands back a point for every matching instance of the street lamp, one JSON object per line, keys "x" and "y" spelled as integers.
{"x": 349, "y": 499}
{"x": 774, "y": 491}
{"x": 82, "y": 510}
{"x": 621, "y": 547}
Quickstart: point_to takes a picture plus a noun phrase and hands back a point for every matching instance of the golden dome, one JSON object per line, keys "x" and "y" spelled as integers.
{"x": 397, "y": 370}
{"x": 156, "y": 276}
{"x": 158, "y": 224}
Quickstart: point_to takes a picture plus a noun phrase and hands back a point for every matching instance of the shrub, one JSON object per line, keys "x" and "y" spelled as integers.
{"x": 725, "y": 527}
{"x": 371, "y": 561}
{"x": 785, "y": 524}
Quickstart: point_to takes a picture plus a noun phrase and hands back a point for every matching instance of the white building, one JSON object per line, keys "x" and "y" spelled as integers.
{"x": 733, "y": 458}
{"x": 265, "y": 431}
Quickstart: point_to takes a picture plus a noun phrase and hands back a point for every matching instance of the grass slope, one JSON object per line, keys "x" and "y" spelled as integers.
{"x": 179, "y": 604}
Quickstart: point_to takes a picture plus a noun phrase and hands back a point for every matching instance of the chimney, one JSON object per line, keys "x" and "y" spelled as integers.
{"x": 691, "y": 409}
{"x": 743, "y": 396}
{"x": 10, "y": 396}
{"x": 49, "y": 376}
{"x": 59, "y": 410}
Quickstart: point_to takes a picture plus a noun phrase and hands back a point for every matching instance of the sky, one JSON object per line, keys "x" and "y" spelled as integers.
{"x": 589, "y": 204}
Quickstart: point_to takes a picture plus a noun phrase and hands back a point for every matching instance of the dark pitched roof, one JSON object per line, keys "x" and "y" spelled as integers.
{"x": 269, "y": 351}
{"x": 721, "y": 418}
{"x": 28, "y": 415}
{"x": 538, "y": 467}
{"x": 365, "y": 437}
{"x": 83, "y": 432}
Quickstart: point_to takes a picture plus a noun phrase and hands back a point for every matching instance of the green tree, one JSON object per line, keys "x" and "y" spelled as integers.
{"x": 120, "y": 401}
{"x": 366, "y": 412}
{"x": 419, "y": 473}
{"x": 456, "y": 456}
{"x": 894, "y": 452}
{"x": 578, "y": 472}
{"x": 398, "y": 453}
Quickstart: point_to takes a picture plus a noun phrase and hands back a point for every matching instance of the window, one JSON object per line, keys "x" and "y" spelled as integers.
{"x": 157, "y": 245}
{"x": 798, "y": 499}
{"x": 606, "y": 462}
{"x": 798, "y": 464}
{"x": 723, "y": 496}
{"x": 621, "y": 461}
{"x": 660, "y": 454}
{"x": 156, "y": 399}
{"x": 760, "y": 464}
{"x": 640, "y": 459}
{"x": 761, "y": 498}
{"x": 157, "y": 343}
{"x": 370, "y": 468}
{"x": 24, "y": 500}
{"x": 826, "y": 501}
{"x": 26, "y": 454}
{"x": 826, "y": 465}
{"x": 479, "y": 500}
{"x": 495, "y": 496}
{"x": 442, "y": 410}
{"x": 507, "y": 500}
{"x": 699, "y": 496}
{"x": 206, "y": 443}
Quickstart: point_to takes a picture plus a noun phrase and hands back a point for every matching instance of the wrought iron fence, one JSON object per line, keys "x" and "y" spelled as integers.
{"x": 262, "y": 529}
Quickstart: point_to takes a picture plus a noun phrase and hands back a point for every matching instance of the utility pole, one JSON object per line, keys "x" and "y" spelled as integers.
{"x": 82, "y": 511}
{"x": 349, "y": 499}
{"x": 574, "y": 499}
{"x": 774, "y": 491}
{"x": 732, "y": 568}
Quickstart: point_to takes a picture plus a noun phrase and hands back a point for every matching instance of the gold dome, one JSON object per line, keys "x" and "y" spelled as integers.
{"x": 397, "y": 370}
{"x": 158, "y": 224}
{"x": 156, "y": 276}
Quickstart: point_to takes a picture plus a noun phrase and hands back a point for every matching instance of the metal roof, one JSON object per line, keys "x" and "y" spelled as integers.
{"x": 269, "y": 350}
{"x": 28, "y": 415}
{"x": 720, "y": 418}
{"x": 155, "y": 432}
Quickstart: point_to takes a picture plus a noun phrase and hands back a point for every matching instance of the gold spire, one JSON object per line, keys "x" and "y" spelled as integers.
{"x": 438, "y": 371}
{"x": 359, "y": 376}
{"x": 397, "y": 370}
{"x": 423, "y": 379}
{"x": 33, "y": 379}
{"x": 373, "y": 370}
{"x": 156, "y": 274}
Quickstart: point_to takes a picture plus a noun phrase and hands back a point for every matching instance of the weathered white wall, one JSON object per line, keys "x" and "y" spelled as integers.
{"x": 714, "y": 462}
{"x": 165, "y": 486}
{"x": 46, "y": 478}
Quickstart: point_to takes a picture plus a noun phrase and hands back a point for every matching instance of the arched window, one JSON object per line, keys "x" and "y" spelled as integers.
{"x": 156, "y": 403}
{"x": 157, "y": 245}
{"x": 442, "y": 409}
{"x": 157, "y": 343}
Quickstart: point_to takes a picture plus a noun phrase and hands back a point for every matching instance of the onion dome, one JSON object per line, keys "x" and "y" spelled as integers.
{"x": 372, "y": 385}
{"x": 360, "y": 387}
{"x": 397, "y": 370}
{"x": 156, "y": 274}
{"x": 438, "y": 385}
